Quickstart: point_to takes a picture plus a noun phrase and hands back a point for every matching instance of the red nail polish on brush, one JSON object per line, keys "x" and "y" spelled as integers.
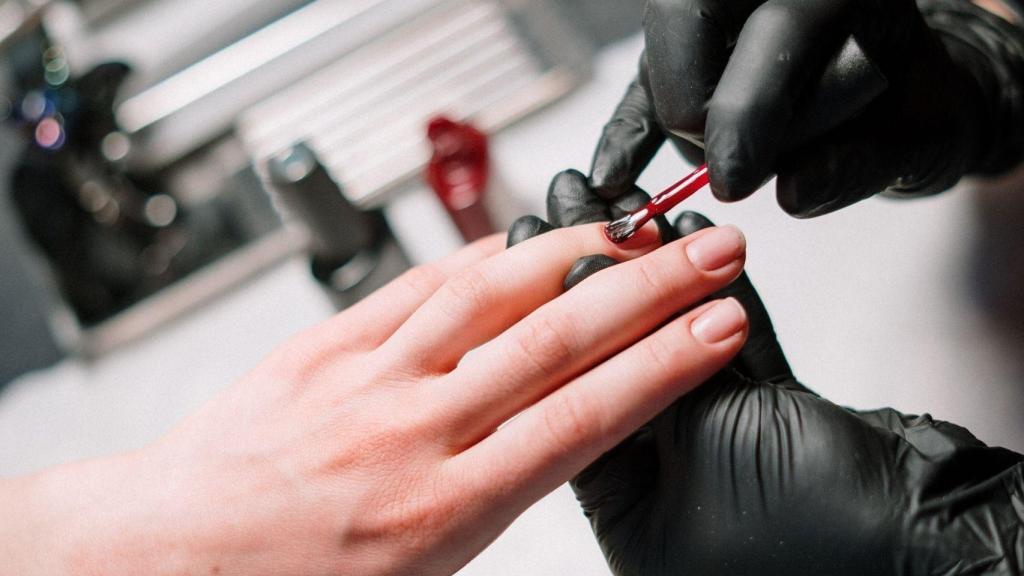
{"x": 624, "y": 228}
{"x": 458, "y": 172}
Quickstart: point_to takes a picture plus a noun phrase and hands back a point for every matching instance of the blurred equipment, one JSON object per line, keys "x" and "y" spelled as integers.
{"x": 19, "y": 17}
{"x": 459, "y": 172}
{"x": 154, "y": 129}
{"x": 352, "y": 252}
{"x": 997, "y": 257}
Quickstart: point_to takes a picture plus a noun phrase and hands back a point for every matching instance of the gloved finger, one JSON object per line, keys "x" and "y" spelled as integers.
{"x": 628, "y": 143}
{"x": 762, "y": 357}
{"x": 690, "y": 152}
{"x": 688, "y": 45}
{"x": 586, "y": 267}
{"x": 784, "y": 45}
{"x": 571, "y": 201}
{"x": 829, "y": 174}
{"x": 525, "y": 228}
{"x": 616, "y": 481}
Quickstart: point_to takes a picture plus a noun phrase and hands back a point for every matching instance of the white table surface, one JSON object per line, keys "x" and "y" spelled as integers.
{"x": 871, "y": 304}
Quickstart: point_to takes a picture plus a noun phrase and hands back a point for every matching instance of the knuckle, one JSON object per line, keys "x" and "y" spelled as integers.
{"x": 662, "y": 350}
{"x": 422, "y": 281}
{"x": 470, "y": 289}
{"x": 652, "y": 280}
{"x": 569, "y": 420}
{"x": 402, "y": 517}
{"x": 546, "y": 345}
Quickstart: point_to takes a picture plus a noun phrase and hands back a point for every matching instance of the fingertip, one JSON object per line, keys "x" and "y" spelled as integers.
{"x": 738, "y": 165}
{"x": 607, "y": 181}
{"x": 731, "y": 182}
{"x": 585, "y": 268}
{"x": 722, "y": 322}
{"x": 571, "y": 177}
{"x": 646, "y": 238}
{"x": 525, "y": 228}
{"x": 570, "y": 201}
{"x": 690, "y": 222}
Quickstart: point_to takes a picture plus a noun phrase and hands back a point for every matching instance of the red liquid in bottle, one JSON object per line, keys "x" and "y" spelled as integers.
{"x": 458, "y": 172}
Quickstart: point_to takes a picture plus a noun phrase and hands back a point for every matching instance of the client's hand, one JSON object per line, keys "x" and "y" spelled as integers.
{"x": 373, "y": 443}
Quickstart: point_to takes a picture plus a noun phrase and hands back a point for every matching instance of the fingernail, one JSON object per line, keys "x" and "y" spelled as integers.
{"x": 720, "y": 322}
{"x": 644, "y": 237}
{"x": 716, "y": 248}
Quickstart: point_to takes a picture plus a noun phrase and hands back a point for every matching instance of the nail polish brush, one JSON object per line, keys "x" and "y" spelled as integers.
{"x": 623, "y": 229}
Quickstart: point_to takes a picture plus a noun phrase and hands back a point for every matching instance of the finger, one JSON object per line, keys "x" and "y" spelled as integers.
{"x": 571, "y": 202}
{"x": 596, "y": 319}
{"x": 783, "y": 45}
{"x": 381, "y": 313}
{"x": 827, "y": 176}
{"x": 525, "y": 228}
{"x": 561, "y": 434}
{"x": 851, "y": 164}
{"x": 690, "y": 152}
{"x": 585, "y": 268}
{"x": 628, "y": 143}
{"x": 761, "y": 358}
{"x": 687, "y": 46}
{"x": 485, "y": 299}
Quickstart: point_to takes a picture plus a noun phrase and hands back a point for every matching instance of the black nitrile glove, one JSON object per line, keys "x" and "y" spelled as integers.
{"x": 738, "y": 78}
{"x": 754, "y": 474}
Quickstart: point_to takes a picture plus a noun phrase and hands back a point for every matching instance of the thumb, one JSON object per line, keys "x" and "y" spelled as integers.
{"x": 617, "y": 481}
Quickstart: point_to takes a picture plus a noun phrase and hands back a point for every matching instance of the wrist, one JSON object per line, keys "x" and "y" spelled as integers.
{"x": 128, "y": 514}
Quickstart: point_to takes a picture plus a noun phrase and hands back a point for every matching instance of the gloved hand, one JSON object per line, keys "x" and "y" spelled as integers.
{"x": 755, "y": 474}
{"x": 738, "y": 77}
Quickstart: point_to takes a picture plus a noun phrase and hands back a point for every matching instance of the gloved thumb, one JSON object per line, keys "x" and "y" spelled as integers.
{"x": 615, "y": 482}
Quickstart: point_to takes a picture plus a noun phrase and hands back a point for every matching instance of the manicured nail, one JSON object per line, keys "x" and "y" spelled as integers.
{"x": 720, "y": 322}
{"x": 643, "y": 238}
{"x": 717, "y": 248}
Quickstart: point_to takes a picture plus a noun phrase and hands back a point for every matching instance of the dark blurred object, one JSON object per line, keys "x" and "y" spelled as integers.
{"x": 352, "y": 251}
{"x": 998, "y": 256}
{"x": 112, "y": 237}
{"x": 604, "y": 21}
{"x": 459, "y": 172}
{"x": 138, "y": 184}
{"x": 26, "y": 340}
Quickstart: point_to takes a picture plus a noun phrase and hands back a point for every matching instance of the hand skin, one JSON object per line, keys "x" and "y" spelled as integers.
{"x": 370, "y": 444}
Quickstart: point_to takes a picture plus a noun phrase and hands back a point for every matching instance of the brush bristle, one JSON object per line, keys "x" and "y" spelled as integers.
{"x": 622, "y": 229}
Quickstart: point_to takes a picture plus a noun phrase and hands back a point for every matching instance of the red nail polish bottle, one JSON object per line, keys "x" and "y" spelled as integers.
{"x": 458, "y": 172}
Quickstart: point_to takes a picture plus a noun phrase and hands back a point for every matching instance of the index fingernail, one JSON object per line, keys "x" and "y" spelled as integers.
{"x": 644, "y": 237}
